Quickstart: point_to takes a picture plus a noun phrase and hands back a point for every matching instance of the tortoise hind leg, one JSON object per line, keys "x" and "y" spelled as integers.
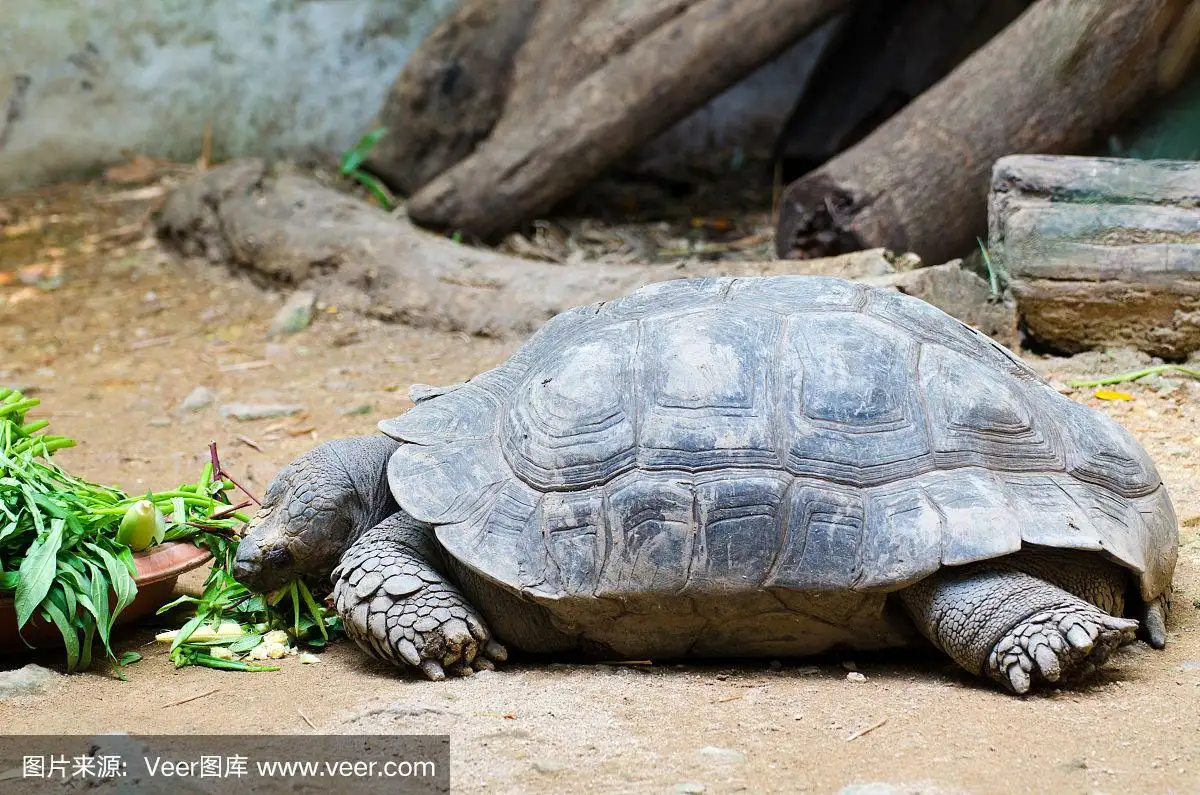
{"x": 398, "y": 607}
{"x": 999, "y": 621}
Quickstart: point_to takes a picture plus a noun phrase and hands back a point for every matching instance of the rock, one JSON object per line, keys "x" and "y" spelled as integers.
{"x": 1100, "y": 252}
{"x": 160, "y": 422}
{"x": 548, "y": 766}
{"x": 959, "y": 293}
{"x": 855, "y": 676}
{"x": 198, "y": 399}
{"x": 245, "y": 412}
{"x": 689, "y": 788}
{"x": 721, "y": 756}
{"x": 24, "y": 681}
{"x": 872, "y": 263}
{"x": 295, "y": 315}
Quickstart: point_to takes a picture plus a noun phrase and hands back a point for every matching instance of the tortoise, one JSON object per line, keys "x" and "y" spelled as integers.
{"x": 736, "y": 467}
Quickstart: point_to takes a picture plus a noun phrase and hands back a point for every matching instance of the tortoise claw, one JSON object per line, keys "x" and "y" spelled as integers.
{"x": 433, "y": 670}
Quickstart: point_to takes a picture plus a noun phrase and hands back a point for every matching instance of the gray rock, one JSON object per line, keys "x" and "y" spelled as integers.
{"x": 959, "y": 293}
{"x": 885, "y": 788}
{"x": 198, "y": 399}
{"x": 295, "y": 315}
{"x": 246, "y": 412}
{"x": 721, "y": 756}
{"x": 689, "y": 788}
{"x": 24, "y": 681}
{"x": 160, "y": 422}
{"x": 548, "y": 766}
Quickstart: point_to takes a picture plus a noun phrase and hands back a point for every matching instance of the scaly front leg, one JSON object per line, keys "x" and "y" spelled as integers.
{"x": 398, "y": 607}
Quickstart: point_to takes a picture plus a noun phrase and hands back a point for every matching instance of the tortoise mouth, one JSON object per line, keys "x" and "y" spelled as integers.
{"x": 263, "y": 560}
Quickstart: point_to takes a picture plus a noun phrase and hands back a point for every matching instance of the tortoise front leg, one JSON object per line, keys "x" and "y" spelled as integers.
{"x": 398, "y": 607}
{"x": 998, "y": 621}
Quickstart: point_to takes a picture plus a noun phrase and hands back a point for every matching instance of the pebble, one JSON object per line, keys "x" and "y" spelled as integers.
{"x": 245, "y": 412}
{"x": 689, "y": 788}
{"x": 198, "y": 399}
{"x": 548, "y": 766}
{"x": 307, "y": 659}
{"x": 876, "y": 788}
{"x": 855, "y": 676}
{"x": 160, "y": 422}
{"x": 721, "y": 756}
{"x": 23, "y": 681}
{"x": 295, "y": 315}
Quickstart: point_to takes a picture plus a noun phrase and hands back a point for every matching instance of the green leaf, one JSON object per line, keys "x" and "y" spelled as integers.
{"x": 245, "y": 643}
{"x": 37, "y": 572}
{"x": 375, "y": 188}
{"x": 128, "y": 658}
{"x": 52, "y": 612}
{"x": 357, "y": 154}
{"x": 186, "y": 632}
{"x": 100, "y": 589}
{"x": 119, "y": 580}
{"x": 318, "y": 613}
{"x": 89, "y": 637}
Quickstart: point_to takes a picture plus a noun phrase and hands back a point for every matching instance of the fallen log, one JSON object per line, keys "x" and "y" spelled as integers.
{"x": 1061, "y": 73}
{"x": 1100, "y": 252}
{"x": 552, "y": 150}
{"x": 451, "y": 92}
{"x": 286, "y": 228}
{"x": 571, "y": 39}
{"x": 886, "y": 54}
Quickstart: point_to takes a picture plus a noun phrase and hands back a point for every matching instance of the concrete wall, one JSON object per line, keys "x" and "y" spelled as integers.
{"x": 82, "y": 80}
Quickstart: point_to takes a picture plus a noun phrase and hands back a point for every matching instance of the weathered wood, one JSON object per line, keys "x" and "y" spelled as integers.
{"x": 887, "y": 53}
{"x": 1062, "y": 72}
{"x": 1101, "y": 252}
{"x": 451, "y": 92}
{"x": 556, "y": 147}
{"x": 570, "y": 39}
{"x": 285, "y": 227}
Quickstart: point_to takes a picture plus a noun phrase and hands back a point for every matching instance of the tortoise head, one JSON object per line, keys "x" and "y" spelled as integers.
{"x": 313, "y": 510}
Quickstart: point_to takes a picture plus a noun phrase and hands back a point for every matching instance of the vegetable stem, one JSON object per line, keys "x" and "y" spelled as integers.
{"x": 1135, "y": 375}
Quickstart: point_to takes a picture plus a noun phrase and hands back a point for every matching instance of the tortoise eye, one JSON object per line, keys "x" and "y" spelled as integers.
{"x": 278, "y": 556}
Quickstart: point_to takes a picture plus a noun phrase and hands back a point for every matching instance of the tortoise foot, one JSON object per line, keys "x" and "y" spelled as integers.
{"x": 398, "y": 608}
{"x": 1057, "y": 644}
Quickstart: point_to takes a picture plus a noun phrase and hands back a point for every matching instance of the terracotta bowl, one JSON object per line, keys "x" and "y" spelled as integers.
{"x": 157, "y": 570}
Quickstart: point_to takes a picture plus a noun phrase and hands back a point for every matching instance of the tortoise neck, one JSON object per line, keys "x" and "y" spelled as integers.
{"x": 366, "y": 465}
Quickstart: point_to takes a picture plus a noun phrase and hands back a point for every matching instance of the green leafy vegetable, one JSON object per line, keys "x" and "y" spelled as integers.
{"x": 60, "y": 557}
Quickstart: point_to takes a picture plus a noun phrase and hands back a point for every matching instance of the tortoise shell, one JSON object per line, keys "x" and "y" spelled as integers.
{"x": 789, "y": 432}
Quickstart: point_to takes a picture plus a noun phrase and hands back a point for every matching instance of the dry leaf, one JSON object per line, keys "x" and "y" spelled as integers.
{"x": 139, "y": 169}
{"x": 1112, "y": 394}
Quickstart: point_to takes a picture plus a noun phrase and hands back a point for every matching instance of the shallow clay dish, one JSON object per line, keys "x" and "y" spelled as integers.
{"x": 157, "y": 570}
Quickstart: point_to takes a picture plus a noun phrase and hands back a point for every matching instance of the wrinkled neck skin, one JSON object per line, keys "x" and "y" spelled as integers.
{"x": 368, "y": 477}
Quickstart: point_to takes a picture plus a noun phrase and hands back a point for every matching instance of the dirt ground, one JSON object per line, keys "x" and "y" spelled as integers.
{"x": 116, "y": 346}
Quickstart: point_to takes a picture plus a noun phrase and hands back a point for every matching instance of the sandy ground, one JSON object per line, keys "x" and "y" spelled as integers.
{"x": 128, "y": 334}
